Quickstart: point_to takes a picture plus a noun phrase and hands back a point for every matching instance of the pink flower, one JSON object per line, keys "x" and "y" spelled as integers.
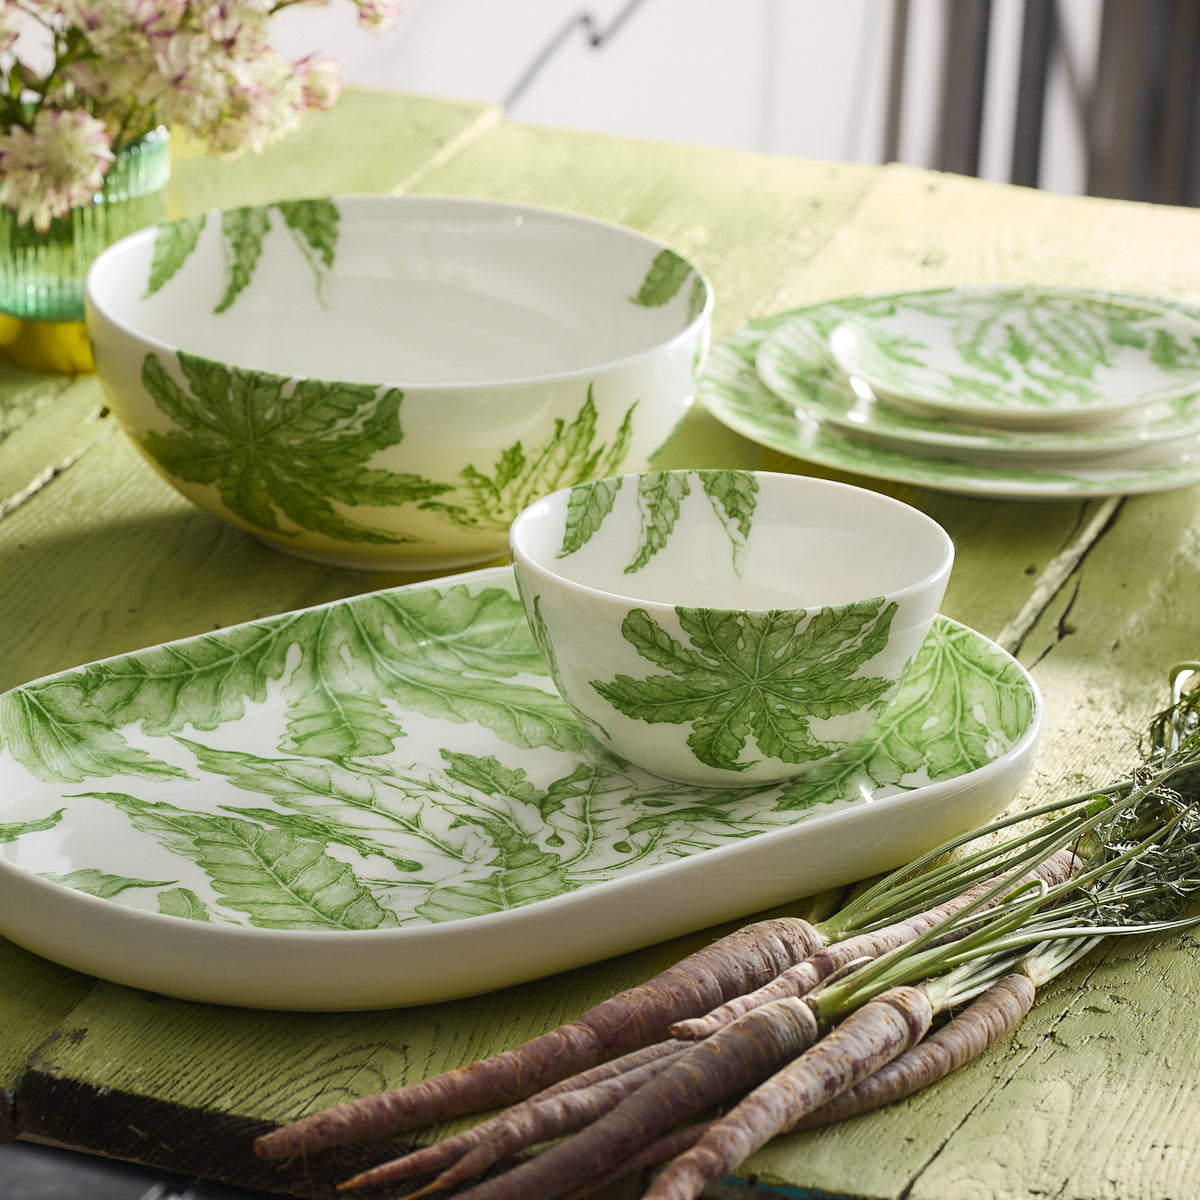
{"x": 11, "y": 19}
{"x": 319, "y": 79}
{"x": 121, "y": 67}
{"x": 56, "y": 166}
{"x": 376, "y": 14}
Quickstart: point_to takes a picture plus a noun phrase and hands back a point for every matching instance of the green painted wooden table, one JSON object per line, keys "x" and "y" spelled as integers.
{"x": 1093, "y": 1096}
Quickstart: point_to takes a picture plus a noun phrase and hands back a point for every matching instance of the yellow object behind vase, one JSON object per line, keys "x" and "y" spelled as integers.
{"x": 59, "y": 346}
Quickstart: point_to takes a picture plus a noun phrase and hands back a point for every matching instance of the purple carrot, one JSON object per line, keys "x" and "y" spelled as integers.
{"x": 444, "y": 1153}
{"x": 666, "y": 1147}
{"x": 718, "y": 1067}
{"x": 854, "y": 1049}
{"x": 800, "y": 979}
{"x": 987, "y": 1019}
{"x": 742, "y": 961}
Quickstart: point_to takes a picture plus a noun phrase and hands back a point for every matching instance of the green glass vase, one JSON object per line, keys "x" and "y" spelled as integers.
{"x": 42, "y": 274}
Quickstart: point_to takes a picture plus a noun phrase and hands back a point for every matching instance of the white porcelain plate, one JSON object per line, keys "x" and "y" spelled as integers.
{"x": 382, "y": 801}
{"x": 1029, "y": 357}
{"x": 736, "y": 395}
{"x": 795, "y": 361}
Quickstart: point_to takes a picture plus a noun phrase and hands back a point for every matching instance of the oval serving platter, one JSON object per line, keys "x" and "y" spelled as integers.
{"x": 382, "y": 801}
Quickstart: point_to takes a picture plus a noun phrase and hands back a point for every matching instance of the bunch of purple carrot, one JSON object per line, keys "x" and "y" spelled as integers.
{"x": 786, "y": 1024}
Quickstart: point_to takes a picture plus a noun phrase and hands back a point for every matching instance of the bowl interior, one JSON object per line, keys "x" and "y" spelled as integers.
{"x": 733, "y": 539}
{"x": 399, "y": 289}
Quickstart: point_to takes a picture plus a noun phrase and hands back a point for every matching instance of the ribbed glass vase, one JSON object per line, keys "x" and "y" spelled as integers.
{"x": 42, "y": 274}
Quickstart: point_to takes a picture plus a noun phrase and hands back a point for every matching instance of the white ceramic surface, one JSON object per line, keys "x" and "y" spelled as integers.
{"x": 1023, "y": 357}
{"x": 795, "y": 361}
{"x": 728, "y": 628}
{"x": 734, "y": 392}
{"x": 383, "y": 801}
{"x": 384, "y": 382}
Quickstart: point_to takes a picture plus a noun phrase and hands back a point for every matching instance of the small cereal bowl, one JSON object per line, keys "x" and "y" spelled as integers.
{"x": 384, "y": 382}
{"x": 728, "y": 628}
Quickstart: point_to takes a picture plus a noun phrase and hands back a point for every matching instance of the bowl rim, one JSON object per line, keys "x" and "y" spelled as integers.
{"x": 937, "y": 576}
{"x": 364, "y": 201}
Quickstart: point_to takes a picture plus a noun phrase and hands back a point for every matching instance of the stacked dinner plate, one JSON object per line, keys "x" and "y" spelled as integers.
{"x": 1003, "y": 391}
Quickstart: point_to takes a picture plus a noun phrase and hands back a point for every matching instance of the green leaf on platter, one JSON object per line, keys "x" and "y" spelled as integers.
{"x": 519, "y": 476}
{"x": 324, "y": 829}
{"x": 173, "y": 242}
{"x": 709, "y": 817}
{"x": 242, "y": 233}
{"x": 278, "y": 880}
{"x": 521, "y": 874}
{"x": 488, "y": 775}
{"x": 276, "y": 448}
{"x": 11, "y": 830}
{"x": 754, "y": 675}
{"x": 587, "y": 506}
{"x": 347, "y": 674}
{"x": 983, "y": 706}
{"x": 68, "y": 728}
{"x": 183, "y": 902}
{"x": 99, "y": 883}
{"x": 203, "y": 681}
{"x": 51, "y": 730}
{"x": 697, "y": 298}
{"x": 663, "y": 280}
{"x": 595, "y": 812}
{"x": 445, "y": 654}
{"x": 332, "y": 805}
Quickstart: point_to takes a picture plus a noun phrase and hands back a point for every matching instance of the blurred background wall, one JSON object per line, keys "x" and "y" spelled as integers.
{"x": 1092, "y": 96}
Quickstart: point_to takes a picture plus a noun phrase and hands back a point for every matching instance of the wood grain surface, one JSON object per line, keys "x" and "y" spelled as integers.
{"x": 1091, "y": 1097}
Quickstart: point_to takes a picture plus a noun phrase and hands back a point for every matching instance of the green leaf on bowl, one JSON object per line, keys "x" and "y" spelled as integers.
{"x": 587, "y": 506}
{"x": 749, "y": 674}
{"x": 570, "y": 455}
{"x": 173, "y": 242}
{"x": 276, "y": 447}
{"x": 242, "y": 231}
{"x": 666, "y": 276}
{"x": 660, "y": 499}
{"x": 660, "y": 496}
{"x": 314, "y": 223}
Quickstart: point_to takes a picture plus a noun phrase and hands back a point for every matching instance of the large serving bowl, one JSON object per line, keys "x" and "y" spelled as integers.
{"x": 728, "y": 628}
{"x": 385, "y": 382}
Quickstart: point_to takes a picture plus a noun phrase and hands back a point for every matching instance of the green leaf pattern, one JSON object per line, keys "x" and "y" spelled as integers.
{"x": 239, "y": 784}
{"x": 313, "y": 223}
{"x": 570, "y": 455}
{"x": 660, "y": 496}
{"x": 663, "y": 281}
{"x": 284, "y": 455}
{"x": 755, "y": 676}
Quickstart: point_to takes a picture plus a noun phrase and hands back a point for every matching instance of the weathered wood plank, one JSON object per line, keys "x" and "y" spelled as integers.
{"x": 34, "y": 996}
{"x": 369, "y": 142}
